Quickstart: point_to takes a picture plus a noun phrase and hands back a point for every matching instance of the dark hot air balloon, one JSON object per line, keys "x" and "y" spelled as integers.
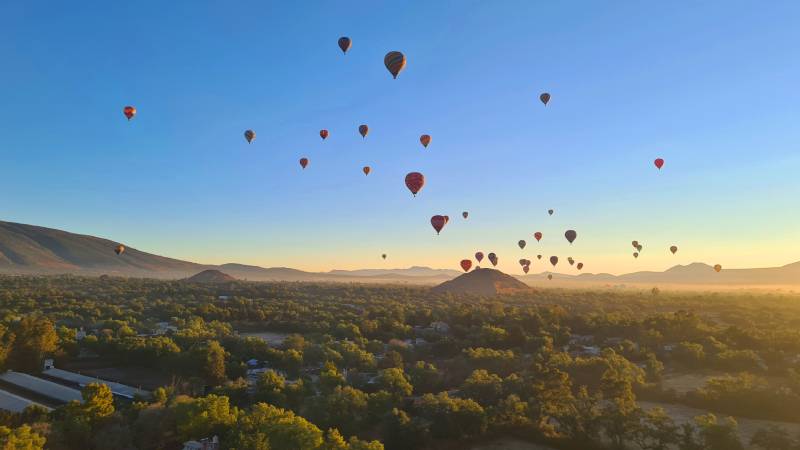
{"x": 538, "y": 256}
{"x": 119, "y": 249}
{"x": 673, "y": 249}
{"x": 526, "y": 268}
{"x": 538, "y": 236}
{"x": 635, "y": 254}
{"x": 550, "y": 211}
{"x": 466, "y": 264}
{"x": 479, "y": 256}
{"x": 570, "y": 235}
{"x": 425, "y": 139}
{"x": 345, "y": 43}
{"x": 717, "y": 268}
{"x": 521, "y": 243}
{"x": 395, "y": 62}
{"x": 492, "y": 259}
{"x": 570, "y": 261}
{"x": 303, "y": 162}
{"x": 522, "y": 261}
{"x": 383, "y": 256}
{"x": 580, "y": 266}
{"x": 635, "y": 244}
{"x": 639, "y": 247}
{"x": 414, "y": 182}
{"x": 465, "y": 214}
{"x": 129, "y": 112}
{"x": 659, "y": 163}
{"x": 549, "y": 276}
{"x": 545, "y": 97}
{"x": 366, "y": 170}
{"x": 323, "y": 134}
{"x": 249, "y": 135}
{"x": 438, "y": 222}
{"x": 363, "y": 130}
{"x": 554, "y": 260}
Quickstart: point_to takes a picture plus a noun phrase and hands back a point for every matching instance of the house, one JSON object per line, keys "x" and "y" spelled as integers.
{"x": 80, "y": 334}
{"x": 440, "y": 327}
{"x": 202, "y": 444}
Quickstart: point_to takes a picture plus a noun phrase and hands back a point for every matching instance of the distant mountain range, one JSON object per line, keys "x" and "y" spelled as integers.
{"x": 35, "y": 250}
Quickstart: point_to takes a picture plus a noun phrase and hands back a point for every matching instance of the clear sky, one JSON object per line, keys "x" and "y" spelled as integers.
{"x": 712, "y": 87}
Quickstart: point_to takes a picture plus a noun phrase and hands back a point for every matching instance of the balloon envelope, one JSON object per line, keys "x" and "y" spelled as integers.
{"x": 438, "y": 222}
{"x": 538, "y": 256}
{"x": 554, "y": 260}
{"x": 345, "y": 43}
{"x": 466, "y": 264}
{"x": 717, "y": 267}
{"x": 383, "y": 256}
{"x": 366, "y": 170}
{"x": 249, "y": 135}
{"x": 465, "y": 214}
{"x": 673, "y": 249}
{"x": 414, "y": 182}
{"x": 549, "y": 276}
{"x": 550, "y": 211}
{"x": 521, "y": 243}
{"x": 119, "y": 249}
{"x": 570, "y": 235}
{"x": 545, "y": 97}
{"x": 363, "y": 130}
{"x": 635, "y": 254}
{"x": 580, "y": 266}
{"x": 526, "y": 268}
{"x": 538, "y": 236}
{"x": 303, "y": 162}
{"x": 479, "y": 256}
{"x": 323, "y": 134}
{"x": 129, "y": 112}
{"x": 570, "y": 261}
{"x": 425, "y": 139}
{"x": 659, "y": 163}
{"x": 492, "y": 259}
{"x": 395, "y": 62}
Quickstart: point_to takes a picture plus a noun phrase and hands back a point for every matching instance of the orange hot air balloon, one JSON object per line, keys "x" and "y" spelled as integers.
{"x": 717, "y": 268}
{"x": 119, "y": 249}
{"x": 303, "y": 162}
{"x": 521, "y": 243}
{"x": 538, "y": 256}
{"x": 673, "y": 249}
{"x": 466, "y": 264}
{"x": 550, "y": 211}
{"x": 479, "y": 256}
{"x": 580, "y": 266}
{"x": 659, "y": 163}
{"x": 446, "y": 220}
{"x": 438, "y": 222}
{"x": 635, "y": 254}
{"x": 571, "y": 235}
{"x": 395, "y": 62}
{"x": 363, "y": 130}
{"x": 492, "y": 259}
{"x": 545, "y": 97}
{"x": 465, "y": 214}
{"x": 249, "y": 135}
{"x": 345, "y": 43}
{"x": 549, "y": 276}
{"x": 323, "y": 134}
{"x": 538, "y": 236}
{"x": 554, "y": 260}
{"x": 414, "y": 182}
{"x": 425, "y": 139}
{"x": 383, "y": 256}
{"x": 129, "y": 112}
{"x": 366, "y": 170}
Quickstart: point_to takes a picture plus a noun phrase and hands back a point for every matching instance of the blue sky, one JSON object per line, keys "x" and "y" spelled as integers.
{"x": 712, "y": 88}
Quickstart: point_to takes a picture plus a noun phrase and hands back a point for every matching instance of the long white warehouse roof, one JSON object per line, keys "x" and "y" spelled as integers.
{"x": 82, "y": 380}
{"x": 15, "y": 403}
{"x": 46, "y": 388}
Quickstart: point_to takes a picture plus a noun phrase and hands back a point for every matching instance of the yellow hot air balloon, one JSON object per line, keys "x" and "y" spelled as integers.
{"x": 395, "y": 62}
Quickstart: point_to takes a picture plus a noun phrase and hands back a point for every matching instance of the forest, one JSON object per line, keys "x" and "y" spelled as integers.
{"x": 396, "y": 367}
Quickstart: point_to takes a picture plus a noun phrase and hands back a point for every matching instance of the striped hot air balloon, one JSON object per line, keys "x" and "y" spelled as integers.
{"x": 414, "y": 182}
{"x": 395, "y": 62}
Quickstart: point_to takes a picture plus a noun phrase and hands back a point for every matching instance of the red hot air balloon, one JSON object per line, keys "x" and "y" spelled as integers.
{"x": 580, "y": 266}
{"x": 466, "y": 264}
{"x": 545, "y": 97}
{"x": 129, "y": 112}
{"x": 414, "y": 182}
{"x": 538, "y": 236}
{"x": 554, "y": 260}
{"x": 249, "y": 135}
{"x": 479, "y": 256}
{"x": 395, "y": 62}
{"x": 492, "y": 259}
{"x": 465, "y": 214}
{"x": 303, "y": 162}
{"x": 438, "y": 222}
{"x": 363, "y": 130}
{"x": 571, "y": 235}
{"x": 659, "y": 163}
{"x": 345, "y": 43}
{"x": 366, "y": 170}
{"x": 323, "y": 134}
{"x": 521, "y": 243}
{"x": 425, "y": 139}
{"x": 526, "y": 268}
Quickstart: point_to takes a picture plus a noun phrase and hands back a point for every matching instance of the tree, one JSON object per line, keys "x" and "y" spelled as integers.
{"x": 20, "y": 438}
{"x": 401, "y": 432}
{"x": 268, "y": 427}
{"x": 396, "y": 382}
{"x": 270, "y": 386}
{"x": 484, "y": 387}
{"x": 656, "y": 431}
{"x": 204, "y": 417}
{"x": 453, "y": 417}
{"x": 344, "y": 408}
{"x": 718, "y": 436}
{"x": 774, "y": 438}
{"x": 36, "y": 338}
{"x": 214, "y": 367}
{"x": 98, "y": 402}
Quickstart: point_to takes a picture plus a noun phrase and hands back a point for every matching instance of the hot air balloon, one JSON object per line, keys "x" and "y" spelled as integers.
{"x": 673, "y": 249}
{"x": 635, "y": 244}
{"x": 571, "y": 235}
{"x": 570, "y": 261}
{"x": 395, "y": 62}
{"x": 466, "y": 264}
{"x": 363, "y": 130}
{"x": 465, "y": 214}
{"x": 718, "y": 268}
{"x": 366, "y": 170}
{"x": 425, "y": 139}
{"x": 414, "y": 182}
{"x": 303, "y": 162}
{"x": 550, "y": 211}
{"x": 659, "y": 163}
{"x": 323, "y": 134}
{"x": 580, "y": 266}
{"x": 538, "y": 256}
{"x": 639, "y": 247}
{"x": 545, "y": 97}
{"x": 554, "y": 260}
{"x": 119, "y": 249}
{"x": 383, "y": 256}
{"x": 438, "y": 222}
{"x": 446, "y": 220}
{"x": 635, "y": 254}
{"x": 129, "y": 112}
{"x": 492, "y": 259}
{"x": 526, "y": 268}
{"x": 522, "y": 261}
{"x": 538, "y": 236}
{"x": 249, "y": 135}
{"x": 549, "y": 276}
{"x": 345, "y": 43}
{"x": 479, "y": 256}
{"x": 521, "y": 243}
